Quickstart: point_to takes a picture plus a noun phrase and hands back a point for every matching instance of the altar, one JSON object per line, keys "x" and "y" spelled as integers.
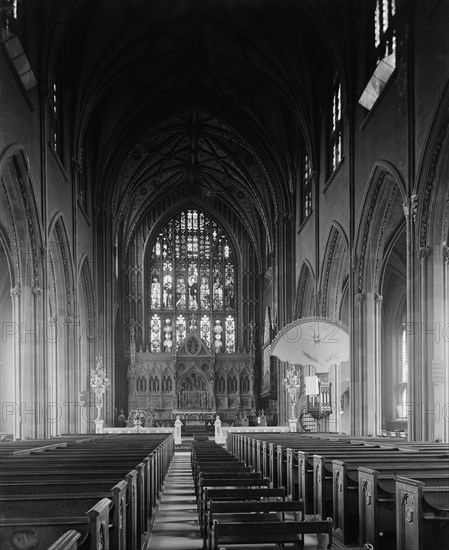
{"x": 192, "y": 382}
{"x": 194, "y": 417}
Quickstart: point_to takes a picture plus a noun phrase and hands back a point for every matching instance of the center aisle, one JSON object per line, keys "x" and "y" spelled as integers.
{"x": 176, "y": 524}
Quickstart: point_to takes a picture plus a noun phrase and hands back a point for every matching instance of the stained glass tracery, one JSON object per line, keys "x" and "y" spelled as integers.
{"x": 192, "y": 284}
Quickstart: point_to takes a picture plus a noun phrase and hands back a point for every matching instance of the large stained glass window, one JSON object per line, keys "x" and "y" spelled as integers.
{"x": 191, "y": 284}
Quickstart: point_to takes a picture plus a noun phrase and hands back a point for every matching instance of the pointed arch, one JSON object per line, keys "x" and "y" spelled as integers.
{"x": 381, "y": 211}
{"x": 305, "y": 296}
{"x": 334, "y": 272}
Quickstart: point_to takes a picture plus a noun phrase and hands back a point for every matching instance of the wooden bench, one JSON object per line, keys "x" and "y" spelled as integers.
{"x": 377, "y": 501}
{"x": 73, "y": 474}
{"x": 235, "y": 494}
{"x": 67, "y": 541}
{"x": 205, "y": 477}
{"x": 242, "y": 511}
{"x": 225, "y": 484}
{"x": 23, "y": 525}
{"x": 280, "y": 532}
{"x": 323, "y": 472}
{"x": 422, "y": 515}
{"x": 123, "y": 513}
{"x": 346, "y": 491}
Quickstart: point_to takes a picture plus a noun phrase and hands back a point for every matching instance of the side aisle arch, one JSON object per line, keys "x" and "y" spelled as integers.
{"x": 382, "y": 213}
{"x": 22, "y": 240}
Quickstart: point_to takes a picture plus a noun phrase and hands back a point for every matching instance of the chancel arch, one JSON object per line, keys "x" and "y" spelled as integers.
{"x": 190, "y": 303}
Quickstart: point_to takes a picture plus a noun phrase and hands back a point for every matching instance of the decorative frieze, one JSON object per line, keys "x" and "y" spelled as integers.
{"x": 431, "y": 172}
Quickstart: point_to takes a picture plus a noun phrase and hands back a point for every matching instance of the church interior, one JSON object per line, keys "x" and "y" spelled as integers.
{"x": 187, "y": 186}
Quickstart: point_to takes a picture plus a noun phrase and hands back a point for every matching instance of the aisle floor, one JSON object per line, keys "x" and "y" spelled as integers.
{"x": 176, "y": 524}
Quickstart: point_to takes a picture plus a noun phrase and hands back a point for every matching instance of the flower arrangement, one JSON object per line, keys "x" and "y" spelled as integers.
{"x": 99, "y": 382}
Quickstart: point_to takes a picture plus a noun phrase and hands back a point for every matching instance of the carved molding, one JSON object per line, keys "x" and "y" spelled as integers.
{"x": 14, "y": 240}
{"x": 65, "y": 265}
{"x": 30, "y": 223}
{"x": 381, "y": 237}
{"x": 330, "y": 259}
{"x": 366, "y": 230}
{"x": 414, "y": 203}
{"x": 427, "y": 194}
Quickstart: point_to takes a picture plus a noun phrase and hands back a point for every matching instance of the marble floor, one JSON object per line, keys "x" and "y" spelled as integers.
{"x": 176, "y": 524}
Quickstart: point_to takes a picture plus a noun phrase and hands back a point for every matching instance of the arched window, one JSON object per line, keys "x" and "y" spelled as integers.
{"x": 244, "y": 383}
{"x": 191, "y": 284}
{"x": 221, "y": 386}
{"x": 232, "y": 384}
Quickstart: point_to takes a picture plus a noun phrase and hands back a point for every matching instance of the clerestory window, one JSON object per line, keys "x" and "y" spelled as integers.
{"x": 336, "y": 127}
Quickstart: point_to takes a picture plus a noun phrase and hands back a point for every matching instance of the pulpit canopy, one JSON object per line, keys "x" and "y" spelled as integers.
{"x": 313, "y": 341}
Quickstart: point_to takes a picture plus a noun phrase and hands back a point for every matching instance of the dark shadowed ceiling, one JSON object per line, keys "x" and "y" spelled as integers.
{"x": 214, "y": 95}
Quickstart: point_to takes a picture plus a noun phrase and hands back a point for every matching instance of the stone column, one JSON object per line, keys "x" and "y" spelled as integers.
{"x": 445, "y": 411}
{"x": 17, "y": 363}
{"x": 414, "y": 367}
{"x": 378, "y": 299}
{"x": 356, "y": 398}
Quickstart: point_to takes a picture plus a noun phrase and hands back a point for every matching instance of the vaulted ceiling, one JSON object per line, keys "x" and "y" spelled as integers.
{"x": 211, "y": 94}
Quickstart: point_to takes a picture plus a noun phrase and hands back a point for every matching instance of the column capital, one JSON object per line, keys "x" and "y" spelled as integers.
{"x": 378, "y": 299}
{"x": 15, "y": 292}
{"x": 423, "y": 253}
{"x": 360, "y": 298}
{"x": 37, "y": 291}
{"x": 410, "y": 207}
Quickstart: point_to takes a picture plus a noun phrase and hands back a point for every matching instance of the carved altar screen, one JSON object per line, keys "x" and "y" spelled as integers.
{"x": 190, "y": 284}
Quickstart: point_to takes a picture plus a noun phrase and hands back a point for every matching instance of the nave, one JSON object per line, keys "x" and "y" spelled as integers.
{"x": 142, "y": 492}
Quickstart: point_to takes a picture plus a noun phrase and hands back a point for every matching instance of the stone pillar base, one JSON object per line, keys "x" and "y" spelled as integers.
{"x": 177, "y": 435}
{"x": 99, "y": 426}
{"x": 293, "y": 423}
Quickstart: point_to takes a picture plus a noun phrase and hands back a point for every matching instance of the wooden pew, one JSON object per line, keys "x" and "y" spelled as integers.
{"x": 377, "y": 501}
{"x": 323, "y": 472}
{"x": 40, "y": 468}
{"x": 237, "y": 533}
{"x": 235, "y": 494}
{"x": 242, "y": 511}
{"x": 346, "y": 503}
{"x": 422, "y": 515}
{"x": 67, "y": 541}
{"x": 204, "y": 477}
{"x": 64, "y": 474}
{"x": 120, "y": 515}
{"x": 231, "y": 483}
{"x": 23, "y": 525}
